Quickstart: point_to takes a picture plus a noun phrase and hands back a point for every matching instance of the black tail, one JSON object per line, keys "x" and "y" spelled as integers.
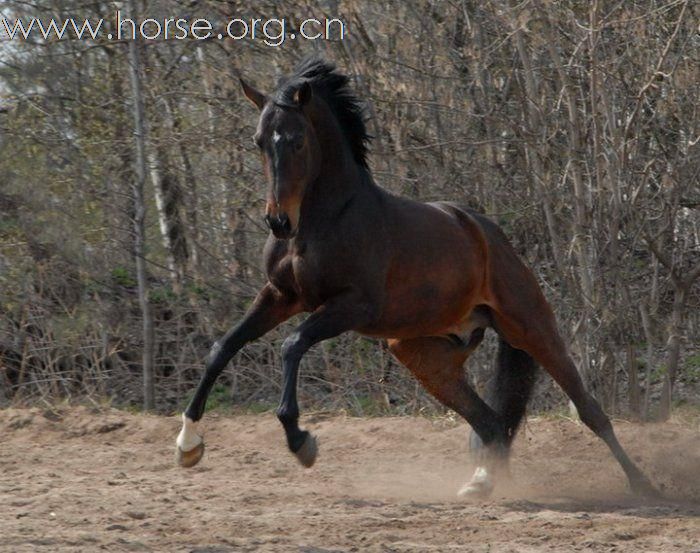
{"x": 509, "y": 389}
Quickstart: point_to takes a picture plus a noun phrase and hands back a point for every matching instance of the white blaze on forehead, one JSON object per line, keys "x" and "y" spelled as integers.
{"x": 188, "y": 438}
{"x": 276, "y": 137}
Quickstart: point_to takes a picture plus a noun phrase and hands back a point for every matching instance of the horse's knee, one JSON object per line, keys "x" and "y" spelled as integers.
{"x": 293, "y": 347}
{"x": 215, "y": 359}
{"x": 214, "y": 350}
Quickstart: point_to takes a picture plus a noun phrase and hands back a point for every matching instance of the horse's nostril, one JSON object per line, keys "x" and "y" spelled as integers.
{"x": 280, "y": 225}
{"x": 285, "y": 223}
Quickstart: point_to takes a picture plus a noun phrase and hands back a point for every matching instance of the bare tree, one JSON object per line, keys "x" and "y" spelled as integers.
{"x": 149, "y": 394}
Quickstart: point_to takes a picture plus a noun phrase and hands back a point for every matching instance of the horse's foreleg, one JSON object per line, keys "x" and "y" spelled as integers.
{"x": 269, "y": 310}
{"x": 333, "y": 318}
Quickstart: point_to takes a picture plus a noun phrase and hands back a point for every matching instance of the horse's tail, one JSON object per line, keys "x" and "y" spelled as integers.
{"x": 512, "y": 385}
{"x": 510, "y": 388}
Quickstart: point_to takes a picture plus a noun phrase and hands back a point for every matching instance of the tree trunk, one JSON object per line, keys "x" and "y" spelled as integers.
{"x": 168, "y": 200}
{"x": 681, "y": 288}
{"x": 634, "y": 398}
{"x": 582, "y": 246}
{"x": 139, "y": 221}
{"x": 534, "y": 125}
{"x": 646, "y": 325}
{"x": 188, "y": 193}
{"x": 674, "y": 352}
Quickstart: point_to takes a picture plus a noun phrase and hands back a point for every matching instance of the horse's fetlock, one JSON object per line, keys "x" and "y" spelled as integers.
{"x": 295, "y": 440}
{"x": 287, "y": 417}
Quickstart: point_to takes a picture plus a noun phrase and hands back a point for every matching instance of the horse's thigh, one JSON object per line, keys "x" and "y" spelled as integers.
{"x": 434, "y": 361}
{"x": 536, "y": 333}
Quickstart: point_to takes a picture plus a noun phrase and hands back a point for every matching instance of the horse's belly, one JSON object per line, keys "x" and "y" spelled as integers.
{"x": 427, "y": 303}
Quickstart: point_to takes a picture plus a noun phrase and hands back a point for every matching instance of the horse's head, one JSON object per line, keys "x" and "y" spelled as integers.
{"x": 290, "y": 154}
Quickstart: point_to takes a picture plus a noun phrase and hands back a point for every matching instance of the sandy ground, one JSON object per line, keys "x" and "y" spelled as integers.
{"x": 82, "y": 480}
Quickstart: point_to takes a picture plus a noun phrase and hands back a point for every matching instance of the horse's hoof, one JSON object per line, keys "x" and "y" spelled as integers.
{"x": 472, "y": 490}
{"x": 307, "y": 452}
{"x": 644, "y": 488}
{"x": 189, "y": 458}
{"x": 479, "y": 487}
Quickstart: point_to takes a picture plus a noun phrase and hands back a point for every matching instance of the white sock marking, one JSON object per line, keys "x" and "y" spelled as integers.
{"x": 480, "y": 483}
{"x": 481, "y": 476}
{"x": 188, "y": 438}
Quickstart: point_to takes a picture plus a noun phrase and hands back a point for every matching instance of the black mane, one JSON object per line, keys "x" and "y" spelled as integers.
{"x": 334, "y": 88}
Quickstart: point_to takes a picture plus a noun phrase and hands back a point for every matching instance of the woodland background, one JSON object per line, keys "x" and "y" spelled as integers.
{"x": 574, "y": 124}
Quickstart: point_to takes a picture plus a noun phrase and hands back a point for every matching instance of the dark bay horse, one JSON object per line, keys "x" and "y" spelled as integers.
{"x": 429, "y": 278}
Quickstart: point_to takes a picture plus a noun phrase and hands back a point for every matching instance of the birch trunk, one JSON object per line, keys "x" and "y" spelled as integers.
{"x": 168, "y": 200}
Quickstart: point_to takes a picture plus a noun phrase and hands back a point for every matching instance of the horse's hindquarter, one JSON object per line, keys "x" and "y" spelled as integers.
{"x": 436, "y": 274}
{"x": 514, "y": 293}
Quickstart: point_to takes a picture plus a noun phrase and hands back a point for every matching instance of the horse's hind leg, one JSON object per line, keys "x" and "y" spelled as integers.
{"x": 507, "y": 393}
{"x": 562, "y": 369}
{"x": 542, "y": 341}
{"x": 437, "y": 362}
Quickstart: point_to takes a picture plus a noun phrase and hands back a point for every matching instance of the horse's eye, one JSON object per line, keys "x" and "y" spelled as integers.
{"x": 298, "y": 143}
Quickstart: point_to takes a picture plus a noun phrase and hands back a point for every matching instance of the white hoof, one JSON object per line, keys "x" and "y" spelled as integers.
{"x": 190, "y": 445}
{"x": 479, "y": 487}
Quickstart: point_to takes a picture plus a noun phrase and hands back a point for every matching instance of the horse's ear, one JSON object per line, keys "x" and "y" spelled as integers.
{"x": 303, "y": 94}
{"x": 255, "y": 96}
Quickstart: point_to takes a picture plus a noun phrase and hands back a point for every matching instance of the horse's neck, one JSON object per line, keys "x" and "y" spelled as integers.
{"x": 340, "y": 177}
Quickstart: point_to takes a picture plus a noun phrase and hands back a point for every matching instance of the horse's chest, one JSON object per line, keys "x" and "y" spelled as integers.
{"x": 303, "y": 271}
{"x": 315, "y": 278}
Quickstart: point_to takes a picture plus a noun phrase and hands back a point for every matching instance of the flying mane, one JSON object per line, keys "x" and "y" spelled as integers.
{"x": 334, "y": 87}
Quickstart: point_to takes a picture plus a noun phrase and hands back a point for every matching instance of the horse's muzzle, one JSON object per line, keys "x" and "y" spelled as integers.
{"x": 281, "y": 226}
